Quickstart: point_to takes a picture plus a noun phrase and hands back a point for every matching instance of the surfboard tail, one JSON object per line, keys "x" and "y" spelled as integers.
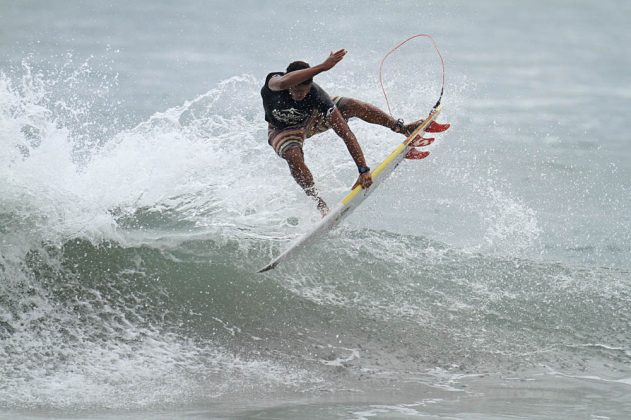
{"x": 267, "y": 268}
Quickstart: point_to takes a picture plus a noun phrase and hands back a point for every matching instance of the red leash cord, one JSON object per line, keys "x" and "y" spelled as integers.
{"x": 399, "y": 46}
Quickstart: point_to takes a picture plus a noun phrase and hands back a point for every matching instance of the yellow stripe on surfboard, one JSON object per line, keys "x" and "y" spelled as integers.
{"x": 387, "y": 161}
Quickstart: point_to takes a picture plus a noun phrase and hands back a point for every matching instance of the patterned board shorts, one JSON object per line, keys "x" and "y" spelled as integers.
{"x": 286, "y": 138}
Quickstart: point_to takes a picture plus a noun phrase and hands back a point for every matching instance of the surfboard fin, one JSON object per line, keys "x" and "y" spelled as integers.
{"x": 422, "y": 141}
{"x": 435, "y": 127}
{"x": 416, "y": 154}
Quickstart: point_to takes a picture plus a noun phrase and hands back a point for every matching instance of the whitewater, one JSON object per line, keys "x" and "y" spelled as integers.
{"x": 138, "y": 197}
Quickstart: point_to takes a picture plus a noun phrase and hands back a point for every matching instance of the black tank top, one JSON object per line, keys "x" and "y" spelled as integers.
{"x": 282, "y": 111}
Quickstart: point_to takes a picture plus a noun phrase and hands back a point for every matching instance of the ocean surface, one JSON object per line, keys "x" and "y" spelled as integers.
{"x": 138, "y": 197}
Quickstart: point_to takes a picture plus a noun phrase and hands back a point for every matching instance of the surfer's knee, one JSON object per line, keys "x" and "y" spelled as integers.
{"x": 351, "y": 107}
{"x": 347, "y": 106}
{"x": 293, "y": 155}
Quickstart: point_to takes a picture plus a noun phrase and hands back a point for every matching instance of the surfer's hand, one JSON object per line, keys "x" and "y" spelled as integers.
{"x": 333, "y": 59}
{"x": 365, "y": 180}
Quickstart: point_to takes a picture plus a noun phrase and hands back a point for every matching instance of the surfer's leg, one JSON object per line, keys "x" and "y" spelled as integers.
{"x": 302, "y": 175}
{"x": 350, "y": 108}
{"x": 287, "y": 143}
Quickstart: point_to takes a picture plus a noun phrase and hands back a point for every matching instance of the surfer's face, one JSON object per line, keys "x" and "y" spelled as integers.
{"x": 299, "y": 92}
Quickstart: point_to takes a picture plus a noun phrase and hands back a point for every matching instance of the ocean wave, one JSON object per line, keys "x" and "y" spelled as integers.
{"x": 127, "y": 263}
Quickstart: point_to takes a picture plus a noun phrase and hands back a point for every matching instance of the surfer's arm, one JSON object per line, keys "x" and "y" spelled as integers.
{"x": 298, "y": 76}
{"x": 341, "y": 128}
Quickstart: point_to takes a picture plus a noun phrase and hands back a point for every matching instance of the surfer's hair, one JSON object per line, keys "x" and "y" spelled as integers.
{"x": 299, "y": 65}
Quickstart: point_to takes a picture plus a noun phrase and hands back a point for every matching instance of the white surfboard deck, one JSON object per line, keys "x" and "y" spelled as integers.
{"x": 355, "y": 197}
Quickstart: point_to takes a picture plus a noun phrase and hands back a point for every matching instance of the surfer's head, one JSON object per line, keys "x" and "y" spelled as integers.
{"x": 299, "y": 92}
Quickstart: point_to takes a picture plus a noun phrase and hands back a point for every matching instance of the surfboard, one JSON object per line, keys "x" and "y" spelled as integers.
{"x": 351, "y": 201}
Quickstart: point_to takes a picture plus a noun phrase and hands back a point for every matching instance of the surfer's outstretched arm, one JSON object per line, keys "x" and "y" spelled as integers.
{"x": 341, "y": 128}
{"x": 297, "y": 77}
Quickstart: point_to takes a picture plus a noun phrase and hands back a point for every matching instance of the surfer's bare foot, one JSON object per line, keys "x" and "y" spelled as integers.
{"x": 407, "y": 129}
{"x": 322, "y": 207}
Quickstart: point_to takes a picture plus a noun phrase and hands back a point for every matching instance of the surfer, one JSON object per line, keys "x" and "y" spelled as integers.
{"x": 297, "y": 108}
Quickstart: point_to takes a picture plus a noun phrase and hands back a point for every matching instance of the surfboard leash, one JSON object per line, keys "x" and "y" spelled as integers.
{"x": 399, "y": 45}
